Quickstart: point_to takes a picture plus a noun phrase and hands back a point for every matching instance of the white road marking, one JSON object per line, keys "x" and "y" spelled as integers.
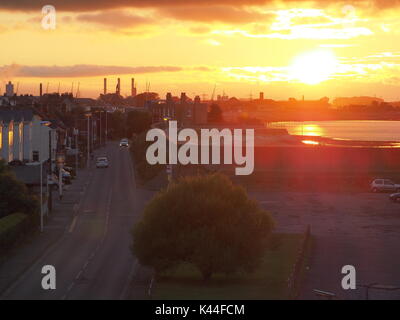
{"x": 73, "y": 224}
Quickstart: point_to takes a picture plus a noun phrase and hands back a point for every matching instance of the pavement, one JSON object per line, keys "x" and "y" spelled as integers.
{"x": 359, "y": 229}
{"x": 87, "y": 238}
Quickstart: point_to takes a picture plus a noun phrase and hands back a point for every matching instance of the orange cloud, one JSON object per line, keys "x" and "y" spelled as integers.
{"x": 221, "y": 14}
{"x": 118, "y": 19}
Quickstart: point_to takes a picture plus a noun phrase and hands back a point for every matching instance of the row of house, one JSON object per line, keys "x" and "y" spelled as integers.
{"x": 27, "y": 136}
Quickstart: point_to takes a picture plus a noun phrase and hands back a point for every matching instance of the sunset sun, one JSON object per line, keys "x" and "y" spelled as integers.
{"x": 313, "y": 67}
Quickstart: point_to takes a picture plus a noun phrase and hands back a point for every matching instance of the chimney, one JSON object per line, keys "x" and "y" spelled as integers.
{"x": 261, "y": 96}
{"x": 169, "y": 97}
{"x": 118, "y": 91}
{"x": 183, "y": 97}
{"x": 197, "y": 100}
{"x": 105, "y": 86}
{"x": 40, "y": 90}
{"x": 133, "y": 89}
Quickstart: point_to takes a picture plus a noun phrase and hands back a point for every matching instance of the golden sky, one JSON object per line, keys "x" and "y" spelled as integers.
{"x": 286, "y": 49}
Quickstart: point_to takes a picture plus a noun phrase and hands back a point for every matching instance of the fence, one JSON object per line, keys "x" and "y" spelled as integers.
{"x": 294, "y": 280}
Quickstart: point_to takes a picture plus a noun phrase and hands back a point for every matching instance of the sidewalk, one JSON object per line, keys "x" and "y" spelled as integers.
{"x": 56, "y": 225}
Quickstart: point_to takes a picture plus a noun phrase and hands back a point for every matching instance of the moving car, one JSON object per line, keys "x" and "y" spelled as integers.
{"x": 379, "y": 185}
{"x": 102, "y": 162}
{"x": 124, "y": 143}
{"x": 395, "y": 197}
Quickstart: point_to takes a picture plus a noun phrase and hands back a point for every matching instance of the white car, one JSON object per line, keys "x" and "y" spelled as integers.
{"x": 124, "y": 143}
{"x": 102, "y": 162}
{"x": 379, "y": 185}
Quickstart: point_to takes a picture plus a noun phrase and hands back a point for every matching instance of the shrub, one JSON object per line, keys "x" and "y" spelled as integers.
{"x": 12, "y": 228}
{"x": 14, "y": 196}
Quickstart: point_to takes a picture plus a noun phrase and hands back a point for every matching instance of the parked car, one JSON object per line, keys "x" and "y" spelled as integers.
{"x": 395, "y": 197}
{"x": 16, "y": 163}
{"x": 379, "y": 185}
{"x": 124, "y": 143}
{"x": 66, "y": 176}
{"x": 102, "y": 162}
{"x": 71, "y": 170}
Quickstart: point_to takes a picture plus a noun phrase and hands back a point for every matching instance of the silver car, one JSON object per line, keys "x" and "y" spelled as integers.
{"x": 102, "y": 162}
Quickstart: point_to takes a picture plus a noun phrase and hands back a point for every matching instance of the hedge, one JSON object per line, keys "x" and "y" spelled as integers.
{"x": 12, "y": 228}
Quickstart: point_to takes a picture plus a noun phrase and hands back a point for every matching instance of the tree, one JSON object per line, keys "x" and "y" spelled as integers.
{"x": 206, "y": 221}
{"x": 116, "y": 125}
{"x": 14, "y": 196}
{"x": 138, "y": 122}
{"x": 144, "y": 170}
{"x": 215, "y": 114}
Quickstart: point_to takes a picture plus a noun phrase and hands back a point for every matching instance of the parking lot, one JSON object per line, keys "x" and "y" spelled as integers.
{"x": 359, "y": 229}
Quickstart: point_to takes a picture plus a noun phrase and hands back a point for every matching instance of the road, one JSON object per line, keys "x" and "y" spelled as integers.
{"x": 92, "y": 259}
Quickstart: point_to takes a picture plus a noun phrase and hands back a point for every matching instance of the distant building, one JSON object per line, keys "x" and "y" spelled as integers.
{"x": 9, "y": 89}
{"x": 183, "y": 109}
{"x": 360, "y": 101}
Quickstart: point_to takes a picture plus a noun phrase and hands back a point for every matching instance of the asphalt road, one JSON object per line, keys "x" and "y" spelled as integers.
{"x": 93, "y": 258}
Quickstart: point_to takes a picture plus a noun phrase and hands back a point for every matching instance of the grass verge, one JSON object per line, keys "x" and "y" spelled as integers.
{"x": 269, "y": 281}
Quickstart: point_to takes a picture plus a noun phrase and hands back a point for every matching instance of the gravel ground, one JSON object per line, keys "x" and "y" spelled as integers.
{"x": 360, "y": 229}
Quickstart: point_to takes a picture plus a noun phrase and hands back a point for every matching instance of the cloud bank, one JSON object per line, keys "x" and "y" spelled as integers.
{"x": 79, "y": 70}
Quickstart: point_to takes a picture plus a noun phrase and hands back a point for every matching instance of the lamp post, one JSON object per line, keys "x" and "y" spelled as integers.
{"x": 42, "y": 124}
{"x": 50, "y": 167}
{"x": 106, "y": 128}
{"x": 76, "y": 131}
{"x": 60, "y": 164}
{"x": 87, "y": 115}
{"x": 99, "y": 112}
{"x": 100, "y": 128}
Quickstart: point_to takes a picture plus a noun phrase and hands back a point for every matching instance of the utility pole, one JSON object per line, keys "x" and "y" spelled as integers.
{"x": 100, "y": 128}
{"x": 88, "y": 141}
{"x": 106, "y": 129}
{"x": 50, "y": 167}
{"x": 60, "y": 181}
{"x": 42, "y": 124}
{"x": 41, "y": 192}
{"x": 76, "y": 131}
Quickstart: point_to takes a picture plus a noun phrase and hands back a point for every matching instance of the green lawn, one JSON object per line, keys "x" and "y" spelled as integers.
{"x": 268, "y": 282}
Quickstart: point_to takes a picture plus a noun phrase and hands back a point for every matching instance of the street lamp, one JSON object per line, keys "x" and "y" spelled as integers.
{"x": 88, "y": 115}
{"x": 99, "y": 112}
{"x": 42, "y": 124}
{"x": 106, "y": 128}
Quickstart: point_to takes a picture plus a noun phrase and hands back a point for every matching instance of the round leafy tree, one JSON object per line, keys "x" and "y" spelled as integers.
{"x": 206, "y": 221}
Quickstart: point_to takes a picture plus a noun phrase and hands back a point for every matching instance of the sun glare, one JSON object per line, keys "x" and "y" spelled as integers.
{"x": 313, "y": 67}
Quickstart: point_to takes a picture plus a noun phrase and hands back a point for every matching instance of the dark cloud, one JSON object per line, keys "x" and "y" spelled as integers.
{"x": 81, "y": 70}
{"x": 93, "y": 5}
